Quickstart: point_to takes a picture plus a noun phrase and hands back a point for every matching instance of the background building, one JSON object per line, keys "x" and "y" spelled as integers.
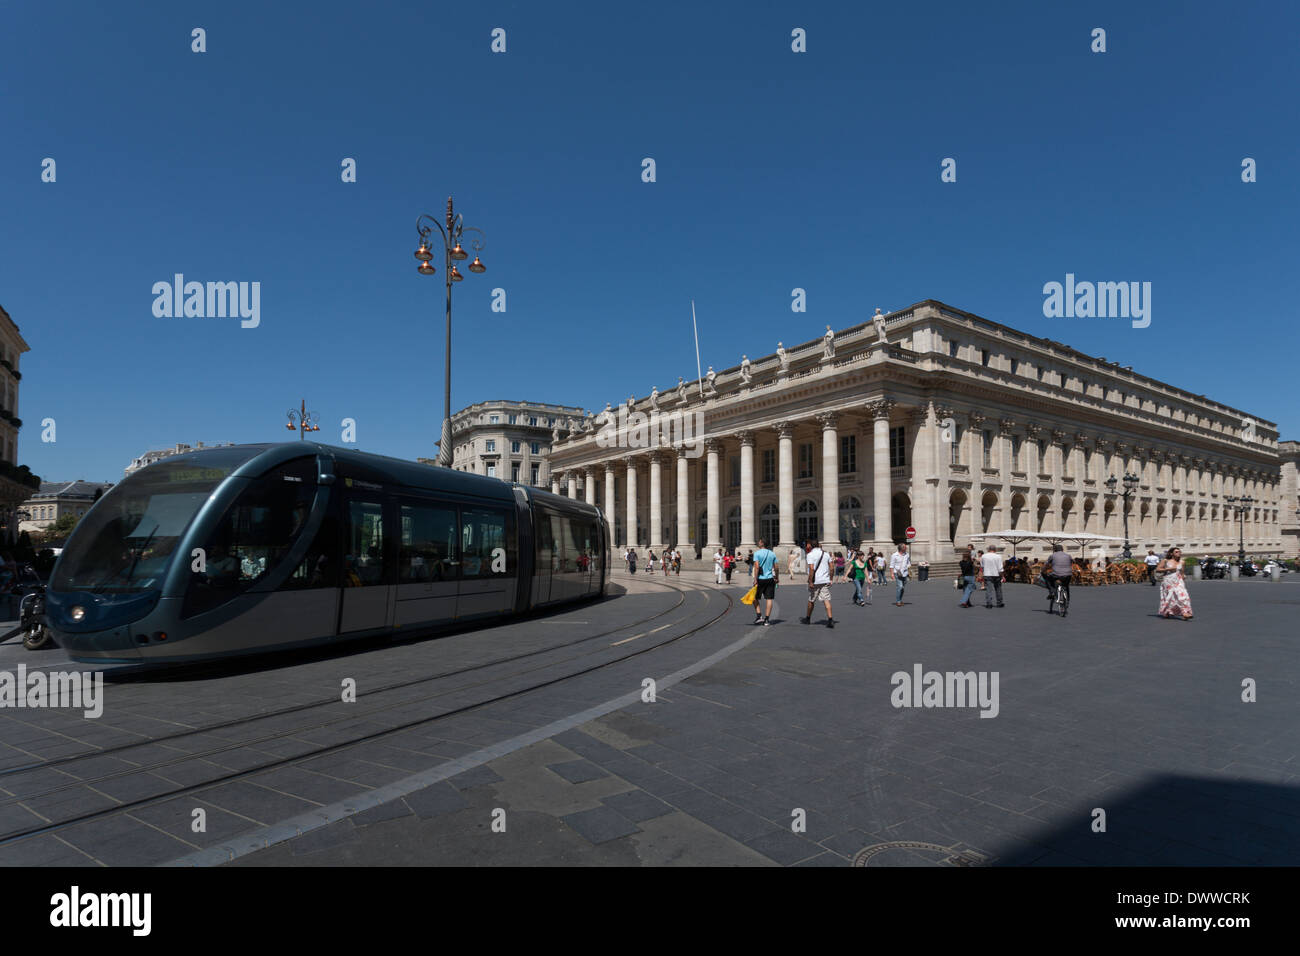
{"x": 58, "y": 498}
{"x": 940, "y": 420}
{"x": 149, "y": 457}
{"x": 509, "y": 440}
{"x": 1289, "y": 451}
{"x": 16, "y": 482}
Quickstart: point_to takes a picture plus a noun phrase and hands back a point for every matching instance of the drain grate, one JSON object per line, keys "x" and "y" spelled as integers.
{"x": 959, "y": 854}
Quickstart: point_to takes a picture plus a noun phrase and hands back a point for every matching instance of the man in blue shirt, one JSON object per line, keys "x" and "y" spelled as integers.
{"x": 766, "y": 576}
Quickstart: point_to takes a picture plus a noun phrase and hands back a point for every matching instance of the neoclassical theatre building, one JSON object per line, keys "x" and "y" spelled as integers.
{"x": 931, "y": 418}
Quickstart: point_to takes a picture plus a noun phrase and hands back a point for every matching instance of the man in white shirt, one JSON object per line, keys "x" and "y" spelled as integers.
{"x": 717, "y": 567}
{"x": 819, "y": 583}
{"x": 991, "y": 565}
{"x": 900, "y": 567}
{"x": 1151, "y": 561}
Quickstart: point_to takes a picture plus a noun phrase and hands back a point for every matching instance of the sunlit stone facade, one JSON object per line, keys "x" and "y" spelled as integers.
{"x": 941, "y": 420}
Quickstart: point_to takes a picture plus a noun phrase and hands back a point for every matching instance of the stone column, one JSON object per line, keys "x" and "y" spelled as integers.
{"x": 785, "y": 485}
{"x": 713, "y": 448}
{"x": 683, "y": 501}
{"x": 611, "y": 498}
{"x": 881, "y": 505}
{"x": 555, "y": 483}
{"x": 924, "y": 485}
{"x": 573, "y": 485}
{"x": 747, "y": 540}
{"x": 830, "y": 536}
{"x": 656, "y": 502}
{"x": 589, "y": 486}
{"x": 631, "y": 502}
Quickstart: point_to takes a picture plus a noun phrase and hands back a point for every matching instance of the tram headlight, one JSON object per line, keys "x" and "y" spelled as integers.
{"x": 77, "y": 613}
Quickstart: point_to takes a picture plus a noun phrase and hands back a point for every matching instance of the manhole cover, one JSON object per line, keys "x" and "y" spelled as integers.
{"x": 959, "y": 854}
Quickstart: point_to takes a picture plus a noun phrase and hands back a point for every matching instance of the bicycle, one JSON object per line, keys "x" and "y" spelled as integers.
{"x": 1057, "y": 594}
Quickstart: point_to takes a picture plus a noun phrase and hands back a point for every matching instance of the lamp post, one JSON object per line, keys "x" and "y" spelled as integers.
{"x": 306, "y": 420}
{"x": 452, "y": 253}
{"x": 1240, "y": 505}
{"x": 1130, "y": 483}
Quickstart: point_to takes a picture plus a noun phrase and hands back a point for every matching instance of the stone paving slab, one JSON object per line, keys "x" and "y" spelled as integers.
{"x": 1111, "y": 707}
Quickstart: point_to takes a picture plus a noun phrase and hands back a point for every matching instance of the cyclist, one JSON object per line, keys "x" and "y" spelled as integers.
{"x": 1058, "y": 568}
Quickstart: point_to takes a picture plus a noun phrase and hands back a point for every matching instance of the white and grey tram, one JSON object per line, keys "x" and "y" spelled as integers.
{"x": 253, "y": 548}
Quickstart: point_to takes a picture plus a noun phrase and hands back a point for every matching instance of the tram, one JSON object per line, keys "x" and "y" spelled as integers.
{"x": 253, "y": 548}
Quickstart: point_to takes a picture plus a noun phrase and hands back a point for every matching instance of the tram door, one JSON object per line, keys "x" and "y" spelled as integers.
{"x": 366, "y": 591}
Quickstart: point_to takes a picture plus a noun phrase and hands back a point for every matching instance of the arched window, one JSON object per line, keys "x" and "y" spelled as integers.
{"x": 733, "y": 528}
{"x": 769, "y": 525}
{"x": 851, "y": 532}
{"x": 806, "y": 524}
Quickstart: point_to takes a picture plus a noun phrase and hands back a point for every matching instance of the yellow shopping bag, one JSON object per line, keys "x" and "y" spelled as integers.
{"x": 750, "y": 595}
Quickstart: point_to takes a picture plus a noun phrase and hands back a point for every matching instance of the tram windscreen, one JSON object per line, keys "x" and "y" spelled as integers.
{"x": 125, "y": 543}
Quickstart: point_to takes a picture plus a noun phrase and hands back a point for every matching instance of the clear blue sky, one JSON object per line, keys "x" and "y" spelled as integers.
{"x": 775, "y": 170}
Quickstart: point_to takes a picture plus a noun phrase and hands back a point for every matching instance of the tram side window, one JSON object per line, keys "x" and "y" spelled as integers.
{"x": 586, "y": 540}
{"x": 364, "y": 561}
{"x": 574, "y": 544}
{"x": 546, "y": 543}
{"x": 427, "y": 551}
{"x": 319, "y": 567}
{"x": 254, "y": 535}
{"x": 487, "y": 538}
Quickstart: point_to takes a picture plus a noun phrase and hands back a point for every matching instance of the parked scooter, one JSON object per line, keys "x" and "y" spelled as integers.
{"x": 31, "y": 614}
{"x": 31, "y": 620}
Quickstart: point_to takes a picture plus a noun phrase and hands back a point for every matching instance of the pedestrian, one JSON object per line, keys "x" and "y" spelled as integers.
{"x": 766, "y": 576}
{"x": 880, "y": 568}
{"x": 728, "y": 564}
{"x": 858, "y": 574}
{"x": 839, "y": 565}
{"x": 900, "y": 566}
{"x": 967, "y": 577}
{"x": 1174, "y": 598}
{"x": 1152, "y": 560}
{"x": 651, "y": 563}
{"x": 718, "y": 562}
{"x": 631, "y": 561}
{"x": 677, "y": 562}
{"x": 667, "y": 562}
{"x": 991, "y": 564}
{"x": 979, "y": 569}
{"x": 819, "y": 583}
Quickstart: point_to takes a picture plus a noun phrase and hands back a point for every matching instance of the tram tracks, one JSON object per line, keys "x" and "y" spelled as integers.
{"x": 353, "y": 717}
{"x": 298, "y": 708}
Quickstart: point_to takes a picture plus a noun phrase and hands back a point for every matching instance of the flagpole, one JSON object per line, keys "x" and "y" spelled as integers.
{"x": 699, "y": 374}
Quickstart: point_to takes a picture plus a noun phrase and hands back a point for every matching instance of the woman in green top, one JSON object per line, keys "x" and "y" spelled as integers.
{"x": 858, "y": 572}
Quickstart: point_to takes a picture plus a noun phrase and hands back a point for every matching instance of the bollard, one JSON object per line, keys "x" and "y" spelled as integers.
{"x": 1236, "y": 572}
{"x": 1197, "y": 573}
{"x": 1276, "y": 573}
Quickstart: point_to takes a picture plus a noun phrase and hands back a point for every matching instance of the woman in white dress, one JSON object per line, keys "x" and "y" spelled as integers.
{"x": 1174, "y": 599}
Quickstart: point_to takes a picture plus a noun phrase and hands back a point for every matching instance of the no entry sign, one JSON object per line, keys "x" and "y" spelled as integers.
{"x": 911, "y": 533}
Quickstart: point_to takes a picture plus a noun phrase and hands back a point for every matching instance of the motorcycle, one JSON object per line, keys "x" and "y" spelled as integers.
{"x": 31, "y": 614}
{"x": 31, "y": 620}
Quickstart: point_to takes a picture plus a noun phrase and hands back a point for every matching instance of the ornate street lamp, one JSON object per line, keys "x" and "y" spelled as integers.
{"x": 1130, "y": 485}
{"x": 453, "y": 252}
{"x": 306, "y": 420}
{"x": 1240, "y": 505}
